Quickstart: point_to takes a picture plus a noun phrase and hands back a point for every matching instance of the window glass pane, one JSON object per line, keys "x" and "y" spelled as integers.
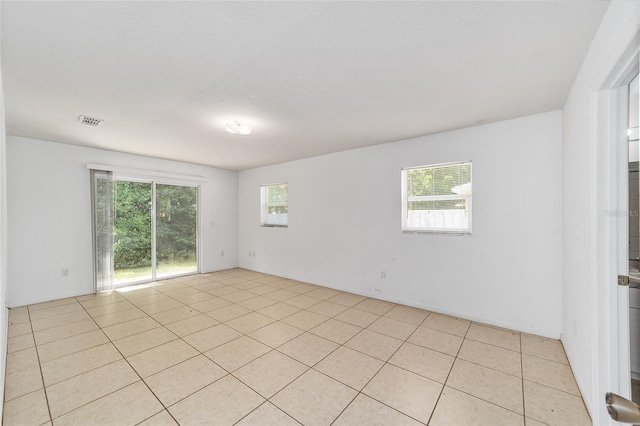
{"x": 438, "y": 219}
{"x": 277, "y": 209}
{"x": 419, "y": 182}
{"x": 438, "y": 198}
{"x": 132, "y": 232}
{"x": 176, "y": 230}
{"x": 277, "y": 194}
{"x": 275, "y": 205}
{"x": 439, "y": 180}
{"x": 437, "y": 205}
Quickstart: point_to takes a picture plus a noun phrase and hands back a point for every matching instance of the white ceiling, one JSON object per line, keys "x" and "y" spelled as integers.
{"x": 311, "y": 77}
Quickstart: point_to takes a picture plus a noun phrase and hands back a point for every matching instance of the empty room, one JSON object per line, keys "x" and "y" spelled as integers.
{"x": 320, "y": 213}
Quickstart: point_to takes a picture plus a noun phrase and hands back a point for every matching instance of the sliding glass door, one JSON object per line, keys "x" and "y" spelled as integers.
{"x": 176, "y": 230}
{"x": 143, "y": 230}
{"x": 132, "y": 232}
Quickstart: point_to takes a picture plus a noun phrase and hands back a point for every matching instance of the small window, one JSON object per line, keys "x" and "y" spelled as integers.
{"x": 274, "y": 200}
{"x": 437, "y": 198}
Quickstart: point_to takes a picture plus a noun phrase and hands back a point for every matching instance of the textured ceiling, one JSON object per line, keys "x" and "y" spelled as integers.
{"x": 311, "y": 77}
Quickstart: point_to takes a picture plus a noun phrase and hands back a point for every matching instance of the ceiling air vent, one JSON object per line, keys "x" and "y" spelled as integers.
{"x": 89, "y": 121}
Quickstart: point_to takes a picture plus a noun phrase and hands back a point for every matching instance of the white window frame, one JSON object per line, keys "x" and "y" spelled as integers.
{"x": 264, "y": 206}
{"x": 405, "y": 200}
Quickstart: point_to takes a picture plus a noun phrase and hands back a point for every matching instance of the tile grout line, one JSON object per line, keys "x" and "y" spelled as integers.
{"x": 435, "y": 406}
{"x": 524, "y": 404}
{"x": 303, "y": 332}
{"x": 44, "y": 387}
{"x": 272, "y": 350}
{"x": 384, "y": 362}
{"x": 266, "y": 401}
{"x": 125, "y": 358}
{"x": 230, "y": 373}
{"x": 359, "y": 392}
{"x": 138, "y": 374}
{"x": 308, "y": 367}
{"x": 523, "y": 414}
{"x": 59, "y": 325}
{"x": 164, "y": 369}
{"x": 574, "y": 378}
{"x": 232, "y": 303}
{"x": 405, "y": 341}
{"x": 488, "y": 368}
{"x": 456, "y": 357}
{"x": 116, "y": 390}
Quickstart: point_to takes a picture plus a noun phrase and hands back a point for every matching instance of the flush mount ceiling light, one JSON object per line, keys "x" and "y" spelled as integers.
{"x": 237, "y": 128}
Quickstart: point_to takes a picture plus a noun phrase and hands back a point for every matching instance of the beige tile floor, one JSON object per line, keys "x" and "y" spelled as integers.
{"x": 240, "y": 347}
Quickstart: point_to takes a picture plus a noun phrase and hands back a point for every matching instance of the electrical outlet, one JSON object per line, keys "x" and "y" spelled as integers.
{"x": 64, "y": 272}
{"x": 383, "y": 274}
{"x": 222, "y": 253}
{"x": 376, "y": 289}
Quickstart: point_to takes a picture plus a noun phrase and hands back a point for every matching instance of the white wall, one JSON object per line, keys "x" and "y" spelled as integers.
{"x": 579, "y": 317}
{"x": 344, "y": 225}
{"x": 49, "y": 216}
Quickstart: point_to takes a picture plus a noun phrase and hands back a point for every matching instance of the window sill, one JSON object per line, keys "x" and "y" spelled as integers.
{"x": 274, "y": 226}
{"x": 434, "y": 232}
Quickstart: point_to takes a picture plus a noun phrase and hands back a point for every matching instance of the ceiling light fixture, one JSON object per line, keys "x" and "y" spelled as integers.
{"x": 237, "y": 128}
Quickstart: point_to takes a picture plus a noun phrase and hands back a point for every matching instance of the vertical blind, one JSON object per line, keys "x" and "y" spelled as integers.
{"x": 102, "y": 200}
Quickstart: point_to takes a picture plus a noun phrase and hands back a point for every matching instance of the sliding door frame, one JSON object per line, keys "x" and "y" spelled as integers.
{"x": 154, "y": 260}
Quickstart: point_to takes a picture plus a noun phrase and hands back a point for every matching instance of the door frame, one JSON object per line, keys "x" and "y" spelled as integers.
{"x": 608, "y": 236}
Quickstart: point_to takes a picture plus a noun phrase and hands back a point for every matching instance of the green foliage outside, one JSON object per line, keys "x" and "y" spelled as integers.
{"x": 132, "y": 225}
{"x": 175, "y": 222}
{"x": 277, "y": 198}
{"x": 430, "y": 181}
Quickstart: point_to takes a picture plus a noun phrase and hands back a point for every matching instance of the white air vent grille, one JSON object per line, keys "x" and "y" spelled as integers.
{"x": 89, "y": 121}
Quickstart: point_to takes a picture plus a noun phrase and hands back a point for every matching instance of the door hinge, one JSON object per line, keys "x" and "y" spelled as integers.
{"x": 623, "y": 280}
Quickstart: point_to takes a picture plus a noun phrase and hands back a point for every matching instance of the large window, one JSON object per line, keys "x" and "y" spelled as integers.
{"x": 274, "y": 201}
{"x": 437, "y": 198}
